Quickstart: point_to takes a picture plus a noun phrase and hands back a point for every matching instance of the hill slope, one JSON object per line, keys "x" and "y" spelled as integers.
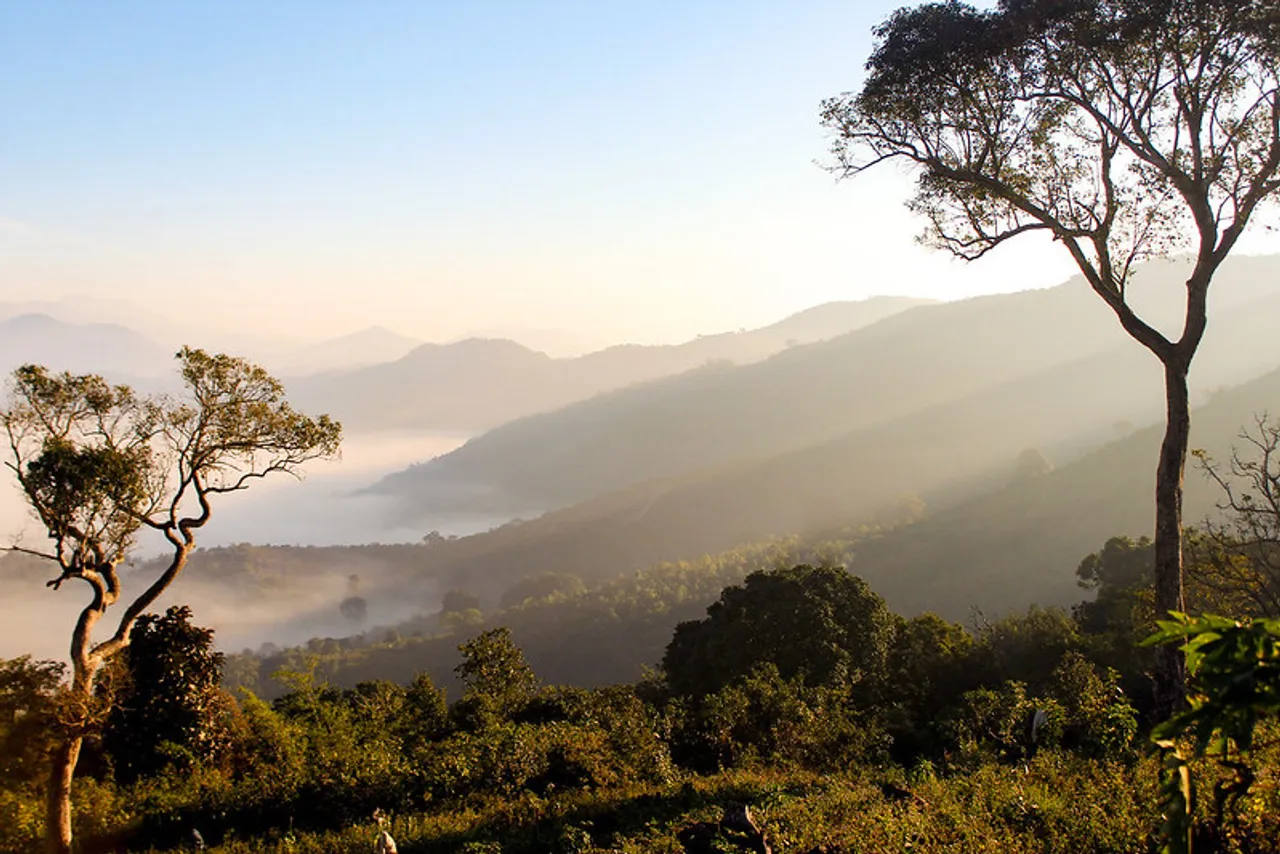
{"x": 943, "y": 453}
{"x": 1021, "y": 544}
{"x": 479, "y": 383}
{"x": 926, "y": 357}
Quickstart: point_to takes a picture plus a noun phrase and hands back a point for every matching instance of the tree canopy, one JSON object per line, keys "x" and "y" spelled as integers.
{"x": 1125, "y": 129}
{"x": 821, "y": 624}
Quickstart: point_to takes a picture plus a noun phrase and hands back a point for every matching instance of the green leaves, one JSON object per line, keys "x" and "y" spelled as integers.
{"x": 820, "y": 623}
{"x": 237, "y": 424}
{"x": 1234, "y": 667}
{"x": 77, "y": 488}
{"x": 97, "y": 462}
{"x": 497, "y": 677}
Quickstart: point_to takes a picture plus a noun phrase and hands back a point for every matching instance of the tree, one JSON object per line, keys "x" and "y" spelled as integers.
{"x": 1122, "y": 129}
{"x": 98, "y": 465}
{"x": 171, "y": 698}
{"x": 929, "y": 666}
{"x": 820, "y": 624}
{"x": 28, "y": 714}
{"x": 497, "y": 678}
{"x": 1240, "y": 553}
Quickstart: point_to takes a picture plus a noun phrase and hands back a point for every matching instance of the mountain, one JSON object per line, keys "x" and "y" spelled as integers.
{"x": 116, "y": 351}
{"x": 557, "y": 343}
{"x": 1021, "y": 544}
{"x": 927, "y": 357}
{"x": 476, "y": 384}
{"x": 943, "y": 455}
{"x": 372, "y": 346}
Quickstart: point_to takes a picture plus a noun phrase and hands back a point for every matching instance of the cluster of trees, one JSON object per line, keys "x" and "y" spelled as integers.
{"x": 571, "y": 634}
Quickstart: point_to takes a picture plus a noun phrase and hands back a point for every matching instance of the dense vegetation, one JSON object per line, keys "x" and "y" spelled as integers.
{"x": 865, "y": 731}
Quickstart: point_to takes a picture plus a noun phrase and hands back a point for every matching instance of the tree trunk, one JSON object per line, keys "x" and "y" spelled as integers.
{"x": 1170, "y": 675}
{"x": 58, "y": 816}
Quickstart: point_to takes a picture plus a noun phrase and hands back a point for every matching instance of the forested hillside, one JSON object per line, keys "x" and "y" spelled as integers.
{"x": 942, "y": 455}
{"x": 835, "y": 726}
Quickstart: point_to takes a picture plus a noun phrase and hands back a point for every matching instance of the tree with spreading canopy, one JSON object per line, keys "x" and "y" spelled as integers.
{"x": 818, "y": 624}
{"x": 99, "y": 464}
{"x": 1122, "y": 129}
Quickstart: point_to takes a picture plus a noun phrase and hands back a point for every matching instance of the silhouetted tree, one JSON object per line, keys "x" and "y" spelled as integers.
{"x": 1122, "y": 129}
{"x": 170, "y": 700}
{"x": 1239, "y": 555}
{"x": 820, "y": 624}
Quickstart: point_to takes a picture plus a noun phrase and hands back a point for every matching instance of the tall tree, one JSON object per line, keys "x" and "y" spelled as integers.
{"x": 99, "y": 464}
{"x": 1122, "y": 129}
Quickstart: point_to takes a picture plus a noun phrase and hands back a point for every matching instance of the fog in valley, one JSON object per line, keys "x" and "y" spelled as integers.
{"x": 330, "y": 506}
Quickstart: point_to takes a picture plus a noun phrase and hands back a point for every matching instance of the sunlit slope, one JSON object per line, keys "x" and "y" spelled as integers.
{"x": 1001, "y": 550}
{"x": 1021, "y": 544}
{"x": 479, "y": 383}
{"x": 944, "y": 453}
{"x": 929, "y": 356}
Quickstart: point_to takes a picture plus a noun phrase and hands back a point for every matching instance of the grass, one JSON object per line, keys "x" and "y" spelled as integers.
{"x": 1058, "y": 803}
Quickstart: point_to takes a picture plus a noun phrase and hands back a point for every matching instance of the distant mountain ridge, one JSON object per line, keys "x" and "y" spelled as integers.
{"x": 476, "y": 384}
{"x": 906, "y": 363}
{"x": 371, "y": 346}
{"x": 107, "y": 348}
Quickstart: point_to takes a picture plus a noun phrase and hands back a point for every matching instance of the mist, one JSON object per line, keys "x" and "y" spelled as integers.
{"x": 326, "y": 508}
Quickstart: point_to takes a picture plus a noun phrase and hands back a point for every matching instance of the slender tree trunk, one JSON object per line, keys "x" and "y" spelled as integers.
{"x": 1170, "y": 676}
{"x": 58, "y": 816}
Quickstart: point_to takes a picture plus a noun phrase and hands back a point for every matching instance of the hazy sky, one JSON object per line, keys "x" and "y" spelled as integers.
{"x": 639, "y": 170}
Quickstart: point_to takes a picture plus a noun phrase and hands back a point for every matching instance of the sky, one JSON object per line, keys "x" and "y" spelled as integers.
{"x": 637, "y": 171}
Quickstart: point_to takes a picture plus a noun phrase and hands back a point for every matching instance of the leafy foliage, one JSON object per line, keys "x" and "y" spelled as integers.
{"x": 172, "y": 705}
{"x": 940, "y": 755}
{"x": 497, "y": 678}
{"x": 1235, "y": 684}
{"x": 28, "y": 709}
{"x": 820, "y": 624}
